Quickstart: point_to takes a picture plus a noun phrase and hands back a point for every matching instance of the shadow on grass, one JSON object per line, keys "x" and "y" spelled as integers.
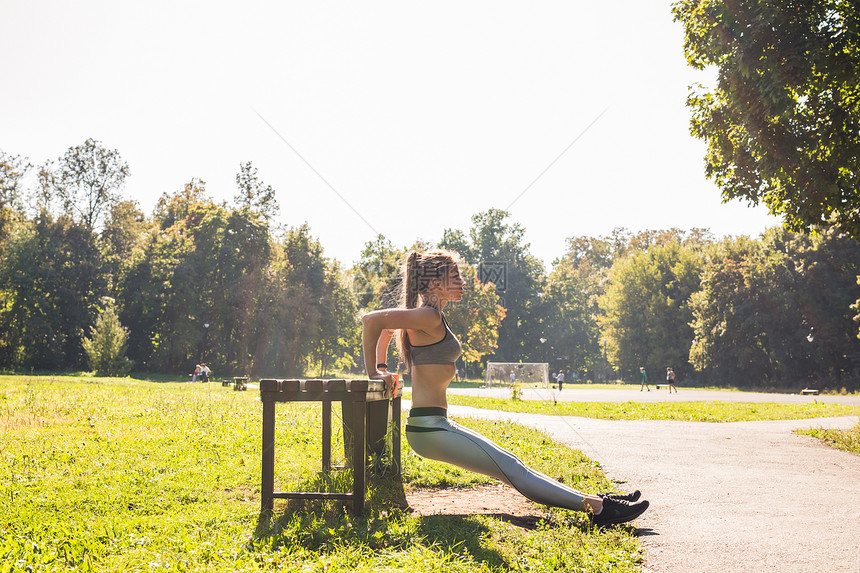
{"x": 385, "y": 494}
{"x": 529, "y": 522}
{"x": 461, "y": 535}
{"x": 325, "y": 526}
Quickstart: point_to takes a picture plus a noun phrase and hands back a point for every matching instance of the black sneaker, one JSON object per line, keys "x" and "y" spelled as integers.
{"x": 618, "y": 511}
{"x": 625, "y": 496}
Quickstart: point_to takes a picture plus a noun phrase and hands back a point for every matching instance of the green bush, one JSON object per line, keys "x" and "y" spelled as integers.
{"x": 107, "y": 344}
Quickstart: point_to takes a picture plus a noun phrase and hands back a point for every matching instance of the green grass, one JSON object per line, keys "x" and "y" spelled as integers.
{"x": 685, "y": 411}
{"x": 847, "y": 440}
{"x": 132, "y": 475}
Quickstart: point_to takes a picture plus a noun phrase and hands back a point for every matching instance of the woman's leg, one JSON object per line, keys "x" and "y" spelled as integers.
{"x": 438, "y": 438}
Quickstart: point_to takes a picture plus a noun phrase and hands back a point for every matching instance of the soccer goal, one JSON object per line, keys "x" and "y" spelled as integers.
{"x": 499, "y": 373}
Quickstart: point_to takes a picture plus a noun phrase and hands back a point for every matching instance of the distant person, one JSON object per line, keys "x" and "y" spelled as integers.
{"x": 457, "y": 374}
{"x": 560, "y": 379}
{"x": 670, "y": 379}
{"x": 196, "y": 373}
{"x": 513, "y": 377}
{"x": 576, "y": 377}
{"x": 204, "y": 372}
{"x": 644, "y": 379}
{"x": 430, "y": 349}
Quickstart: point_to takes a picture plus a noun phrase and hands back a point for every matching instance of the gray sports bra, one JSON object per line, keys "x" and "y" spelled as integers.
{"x": 446, "y": 351}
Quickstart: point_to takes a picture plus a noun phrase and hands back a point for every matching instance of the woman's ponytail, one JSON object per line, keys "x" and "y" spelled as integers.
{"x": 408, "y": 299}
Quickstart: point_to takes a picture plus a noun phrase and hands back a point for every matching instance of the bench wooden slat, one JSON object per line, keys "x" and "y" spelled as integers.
{"x": 358, "y": 385}
{"x": 335, "y": 386}
{"x": 291, "y": 385}
{"x": 268, "y": 385}
{"x": 313, "y": 385}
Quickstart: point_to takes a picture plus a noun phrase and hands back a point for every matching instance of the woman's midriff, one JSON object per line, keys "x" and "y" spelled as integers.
{"x": 429, "y": 383}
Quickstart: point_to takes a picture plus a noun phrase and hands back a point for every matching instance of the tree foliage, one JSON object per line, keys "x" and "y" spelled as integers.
{"x": 12, "y": 170}
{"x": 198, "y": 281}
{"x": 477, "y": 317}
{"x": 253, "y": 194}
{"x": 106, "y": 345}
{"x": 498, "y": 251}
{"x": 87, "y": 180}
{"x": 782, "y": 123}
{"x": 51, "y": 280}
{"x": 572, "y": 294}
{"x": 646, "y": 308}
{"x": 778, "y": 310}
{"x": 376, "y": 274}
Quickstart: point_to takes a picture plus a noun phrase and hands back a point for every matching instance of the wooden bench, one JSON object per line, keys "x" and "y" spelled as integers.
{"x": 240, "y": 383}
{"x": 659, "y": 386}
{"x": 809, "y": 391}
{"x": 366, "y": 408}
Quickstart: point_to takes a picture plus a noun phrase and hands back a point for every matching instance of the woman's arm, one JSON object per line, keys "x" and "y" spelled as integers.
{"x": 379, "y": 327}
{"x": 382, "y": 345}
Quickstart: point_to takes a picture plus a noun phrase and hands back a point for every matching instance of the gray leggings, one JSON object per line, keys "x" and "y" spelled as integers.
{"x": 432, "y": 435}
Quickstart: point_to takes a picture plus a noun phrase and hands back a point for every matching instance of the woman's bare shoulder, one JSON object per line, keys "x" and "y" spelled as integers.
{"x": 412, "y": 318}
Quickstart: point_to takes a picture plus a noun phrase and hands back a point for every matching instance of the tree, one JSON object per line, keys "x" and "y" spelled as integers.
{"x": 12, "y": 170}
{"x": 376, "y": 274}
{"x": 107, "y": 344}
{"x": 498, "y": 251}
{"x": 856, "y": 308}
{"x": 235, "y": 247}
{"x": 477, "y": 317}
{"x": 730, "y": 315}
{"x": 50, "y": 282}
{"x": 163, "y": 295}
{"x": 339, "y": 328}
{"x": 822, "y": 270}
{"x": 183, "y": 204}
{"x": 573, "y": 288}
{"x": 253, "y": 195}
{"x": 122, "y": 239}
{"x": 146, "y": 292}
{"x": 776, "y": 311}
{"x": 87, "y": 180}
{"x": 646, "y": 308}
{"x": 783, "y": 122}
{"x": 294, "y": 289}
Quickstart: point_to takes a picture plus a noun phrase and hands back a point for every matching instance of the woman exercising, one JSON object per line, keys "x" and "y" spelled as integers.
{"x": 429, "y": 348}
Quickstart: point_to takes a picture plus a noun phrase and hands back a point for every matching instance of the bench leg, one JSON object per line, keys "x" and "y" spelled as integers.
{"x": 377, "y": 419}
{"x": 268, "y": 470}
{"x": 326, "y": 436}
{"x": 359, "y": 455}
{"x": 378, "y": 416}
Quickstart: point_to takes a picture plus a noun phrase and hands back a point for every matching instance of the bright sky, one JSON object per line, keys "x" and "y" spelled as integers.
{"x": 417, "y": 116}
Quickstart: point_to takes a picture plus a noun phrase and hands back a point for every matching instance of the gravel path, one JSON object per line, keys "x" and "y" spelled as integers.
{"x": 632, "y": 393}
{"x": 746, "y": 496}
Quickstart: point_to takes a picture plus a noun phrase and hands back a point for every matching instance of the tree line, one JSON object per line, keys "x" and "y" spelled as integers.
{"x": 221, "y": 283}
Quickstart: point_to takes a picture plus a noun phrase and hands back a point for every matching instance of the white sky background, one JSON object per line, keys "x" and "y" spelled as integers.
{"x": 419, "y": 115}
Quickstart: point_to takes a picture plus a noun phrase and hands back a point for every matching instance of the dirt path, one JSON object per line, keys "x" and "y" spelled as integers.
{"x": 748, "y": 496}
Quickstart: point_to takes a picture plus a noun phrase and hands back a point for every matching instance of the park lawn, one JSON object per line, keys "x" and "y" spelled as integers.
{"x": 683, "y": 411}
{"x": 847, "y": 440}
{"x": 132, "y": 475}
